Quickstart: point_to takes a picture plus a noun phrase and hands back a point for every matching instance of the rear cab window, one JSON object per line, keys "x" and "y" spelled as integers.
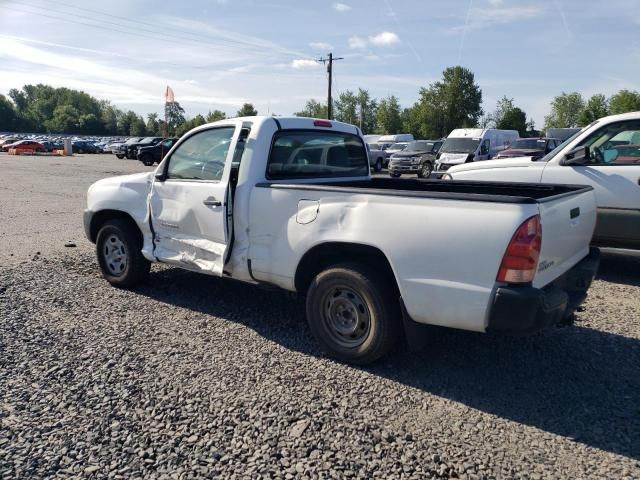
{"x": 299, "y": 154}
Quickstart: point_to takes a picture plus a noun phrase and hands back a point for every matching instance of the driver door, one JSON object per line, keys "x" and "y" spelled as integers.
{"x": 613, "y": 170}
{"x": 188, "y": 201}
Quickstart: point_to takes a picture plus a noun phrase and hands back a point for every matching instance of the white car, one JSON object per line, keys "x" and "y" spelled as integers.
{"x": 604, "y": 155}
{"x": 289, "y": 202}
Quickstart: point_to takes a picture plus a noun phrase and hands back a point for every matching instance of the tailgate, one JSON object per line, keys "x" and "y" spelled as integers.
{"x": 568, "y": 222}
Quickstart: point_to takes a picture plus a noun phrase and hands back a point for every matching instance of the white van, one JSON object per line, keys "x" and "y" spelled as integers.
{"x": 472, "y": 144}
{"x": 385, "y": 141}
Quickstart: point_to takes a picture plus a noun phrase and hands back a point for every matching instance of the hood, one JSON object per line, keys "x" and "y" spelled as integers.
{"x": 135, "y": 181}
{"x": 502, "y": 163}
{"x": 520, "y": 152}
{"x": 405, "y": 154}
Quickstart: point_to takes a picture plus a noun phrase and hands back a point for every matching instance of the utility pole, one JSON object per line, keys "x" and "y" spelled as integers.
{"x": 329, "y": 61}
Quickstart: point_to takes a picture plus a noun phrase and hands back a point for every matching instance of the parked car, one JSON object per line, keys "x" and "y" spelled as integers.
{"x": 373, "y": 257}
{"x": 155, "y": 153}
{"x": 113, "y": 147}
{"x": 529, "y": 147}
{"x": 122, "y": 152}
{"x": 82, "y": 146}
{"x": 377, "y": 158}
{"x": 561, "y": 133}
{"x": 418, "y": 158}
{"x": 603, "y": 155}
{"x": 131, "y": 151}
{"x": 7, "y": 141}
{"x": 394, "y": 148}
{"x": 385, "y": 141}
{"x": 471, "y": 145}
{"x": 25, "y": 146}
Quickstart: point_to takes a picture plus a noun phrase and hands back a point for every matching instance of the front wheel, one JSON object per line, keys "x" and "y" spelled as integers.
{"x": 378, "y": 166}
{"x": 352, "y": 314}
{"x": 147, "y": 160}
{"x": 394, "y": 175}
{"x": 119, "y": 156}
{"x": 119, "y": 254}
{"x": 425, "y": 170}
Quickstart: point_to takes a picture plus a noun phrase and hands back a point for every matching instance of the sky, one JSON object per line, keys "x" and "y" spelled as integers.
{"x": 218, "y": 54}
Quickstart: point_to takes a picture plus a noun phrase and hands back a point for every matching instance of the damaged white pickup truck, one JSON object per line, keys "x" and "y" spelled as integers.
{"x": 289, "y": 202}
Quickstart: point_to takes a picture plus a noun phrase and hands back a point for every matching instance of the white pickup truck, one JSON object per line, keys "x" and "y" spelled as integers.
{"x": 604, "y": 154}
{"x": 289, "y": 202}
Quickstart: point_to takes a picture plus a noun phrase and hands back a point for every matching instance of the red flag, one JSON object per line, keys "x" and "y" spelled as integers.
{"x": 168, "y": 95}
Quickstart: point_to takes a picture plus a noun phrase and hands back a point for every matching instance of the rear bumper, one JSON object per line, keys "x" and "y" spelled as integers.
{"x": 524, "y": 310}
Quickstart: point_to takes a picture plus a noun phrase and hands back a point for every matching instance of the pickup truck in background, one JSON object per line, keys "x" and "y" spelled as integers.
{"x": 377, "y": 158}
{"x": 289, "y": 202}
{"x": 155, "y": 153}
{"x": 418, "y": 158}
{"x": 602, "y": 155}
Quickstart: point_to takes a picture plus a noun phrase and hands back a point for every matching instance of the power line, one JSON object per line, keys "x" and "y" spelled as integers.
{"x": 329, "y": 61}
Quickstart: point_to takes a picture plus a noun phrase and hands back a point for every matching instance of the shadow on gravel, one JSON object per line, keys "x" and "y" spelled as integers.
{"x": 620, "y": 266}
{"x": 575, "y": 382}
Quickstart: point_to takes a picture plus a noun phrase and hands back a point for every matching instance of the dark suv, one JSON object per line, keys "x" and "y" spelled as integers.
{"x": 155, "y": 153}
{"x": 121, "y": 152}
{"x": 418, "y": 158}
{"x": 131, "y": 151}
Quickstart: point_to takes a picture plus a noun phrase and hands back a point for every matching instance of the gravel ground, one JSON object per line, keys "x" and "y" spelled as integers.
{"x": 192, "y": 376}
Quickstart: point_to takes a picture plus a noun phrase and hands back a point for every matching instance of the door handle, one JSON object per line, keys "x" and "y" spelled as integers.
{"x": 212, "y": 202}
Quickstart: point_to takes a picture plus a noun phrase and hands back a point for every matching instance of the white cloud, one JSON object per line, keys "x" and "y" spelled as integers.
{"x": 303, "y": 63}
{"x": 357, "y": 42}
{"x": 384, "y": 39}
{"x": 341, "y": 7}
{"x": 321, "y": 46}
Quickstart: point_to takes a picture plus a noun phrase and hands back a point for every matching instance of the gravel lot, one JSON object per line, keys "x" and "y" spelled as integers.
{"x": 193, "y": 376}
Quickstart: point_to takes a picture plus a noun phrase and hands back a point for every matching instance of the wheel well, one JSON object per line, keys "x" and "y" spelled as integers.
{"x": 103, "y": 216}
{"x": 322, "y": 256}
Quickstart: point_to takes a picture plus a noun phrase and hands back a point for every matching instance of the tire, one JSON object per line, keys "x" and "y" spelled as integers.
{"x": 119, "y": 156}
{"x": 378, "y": 165}
{"x": 425, "y": 170}
{"x": 80, "y": 151}
{"x": 147, "y": 160}
{"x": 118, "y": 249}
{"x": 352, "y": 313}
{"x": 395, "y": 175}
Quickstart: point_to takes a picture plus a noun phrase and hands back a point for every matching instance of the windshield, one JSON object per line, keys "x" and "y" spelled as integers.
{"x": 553, "y": 152}
{"x": 132, "y": 140}
{"x": 148, "y": 140}
{"x": 460, "y": 145}
{"x": 420, "y": 147}
{"x": 397, "y": 146}
{"x": 529, "y": 144}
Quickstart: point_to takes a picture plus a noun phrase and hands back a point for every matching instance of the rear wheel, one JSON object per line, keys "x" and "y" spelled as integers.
{"x": 119, "y": 254}
{"x": 120, "y": 156}
{"x": 147, "y": 159}
{"x": 353, "y": 314}
{"x": 378, "y": 166}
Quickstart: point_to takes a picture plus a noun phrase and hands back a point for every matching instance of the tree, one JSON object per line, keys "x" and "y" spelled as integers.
{"x": 65, "y": 119}
{"x": 389, "y": 116}
{"x": 313, "y": 109}
{"x": 190, "y": 124}
{"x": 138, "y": 128}
{"x": 565, "y": 111}
{"x": 109, "y": 118}
{"x": 175, "y": 116}
{"x": 153, "y": 127}
{"x": 247, "y": 110}
{"x": 346, "y": 107}
{"x": 215, "y": 116}
{"x": 625, "y": 101}
{"x": 509, "y": 117}
{"x": 367, "y": 111}
{"x": 596, "y": 107}
{"x": 8, "y": 117}
{"x": 453, "y": 102}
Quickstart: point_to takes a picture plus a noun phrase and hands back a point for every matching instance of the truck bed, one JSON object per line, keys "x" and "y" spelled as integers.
{"x": 499, "y": 192}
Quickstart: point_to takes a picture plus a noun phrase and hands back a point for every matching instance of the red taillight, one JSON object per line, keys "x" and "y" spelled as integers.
{"x": 322, "y": 123}
{"x": 520, "y": 261}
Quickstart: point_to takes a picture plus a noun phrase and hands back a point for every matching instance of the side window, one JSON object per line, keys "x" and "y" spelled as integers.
{"x": 201, "y": 156}
{"x": 615, "y": 144}
{"x": 304, "y": 154}
{"x": 484, "y": 149}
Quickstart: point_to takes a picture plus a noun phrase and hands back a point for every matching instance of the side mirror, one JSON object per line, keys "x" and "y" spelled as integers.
{"x": 161, "y": 175}
{"x": 577, "y": 156}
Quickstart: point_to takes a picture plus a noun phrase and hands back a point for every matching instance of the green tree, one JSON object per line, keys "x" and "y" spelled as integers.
{"x": 138, "y": 128}
{"x": 509, "y": 117}
{"x": 625, "y": 101}
{"x": 190, "y": 124}
{"x": 8, "y": 117}
{"x": 65, "y": 119}
{"x": 453, "y": 102}
{"x": 175, "y": 116}
{"x": 313, "y": 109}
{"x": 596, "y": 107}
{"x": 346, "y": 107}
{"x": 367, "y": 111}
{"x": 109, "y": 117}
{"x": 153, "y": 127}
{"x": 215, "y": 116}
{"x": 247, "y": 110}
{"x": 565, "y": 111}
{"x": 389, "y": 116}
